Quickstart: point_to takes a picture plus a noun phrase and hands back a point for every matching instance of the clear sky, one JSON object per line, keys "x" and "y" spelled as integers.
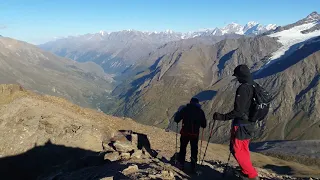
{"x": 38, "y": 21}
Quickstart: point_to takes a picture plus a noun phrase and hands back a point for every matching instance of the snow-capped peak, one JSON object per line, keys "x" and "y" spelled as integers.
{"x": 314, "y": 16}
{"x": 102, "y": 33}
{"x": 168, "y": 31}
{"x": 251, "y": 28}
{"x": 233, "y": 24}
{"x": 252, "y": 23}
{"x": 129, "y": 30}
{"x": 232, "y": 28}
{"x": 271, "y": 27}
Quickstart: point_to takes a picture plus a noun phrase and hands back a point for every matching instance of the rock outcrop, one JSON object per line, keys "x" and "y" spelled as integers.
{"x": 144, "y": 166}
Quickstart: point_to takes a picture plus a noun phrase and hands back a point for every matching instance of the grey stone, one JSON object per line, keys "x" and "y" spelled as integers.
{"x": 130, "y": 170}
{"x": 114, "y": 156}
{"x": 107, "y": 178}
{"x": 125, "y": 146}
{"x": 106, "y": 147}
{"x": 137, "y": 154}
{"x": 125, "y": 156}
{"x": 134, "y": 140}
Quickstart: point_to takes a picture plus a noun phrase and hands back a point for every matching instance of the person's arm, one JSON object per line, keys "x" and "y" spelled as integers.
{"x": 178, "y": 116}
{"x": 241, "y": 99}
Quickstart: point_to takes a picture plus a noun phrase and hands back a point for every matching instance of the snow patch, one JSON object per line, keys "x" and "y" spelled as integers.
{"x": 291, "y": 37}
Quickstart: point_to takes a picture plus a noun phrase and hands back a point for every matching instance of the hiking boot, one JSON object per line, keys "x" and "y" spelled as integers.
{"x": 180, "y": 166}
{"x": 193, "y": 171}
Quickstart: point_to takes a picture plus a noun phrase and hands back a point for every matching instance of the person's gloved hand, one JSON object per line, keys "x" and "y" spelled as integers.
{"x": 218, "y": 116}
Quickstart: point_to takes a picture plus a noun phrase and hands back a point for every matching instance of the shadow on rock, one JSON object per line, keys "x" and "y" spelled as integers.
{"x": 282, "y": 170}
{"x": 48, "y": 160}
{"x": 208, "y": 170}
{"x": 206, "y": 95}
{"x": 140, "y": 140}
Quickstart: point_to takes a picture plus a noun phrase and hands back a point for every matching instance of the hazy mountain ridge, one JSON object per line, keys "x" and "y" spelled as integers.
{"x": 116, "y": 51}
{"x": 46, "y": 73}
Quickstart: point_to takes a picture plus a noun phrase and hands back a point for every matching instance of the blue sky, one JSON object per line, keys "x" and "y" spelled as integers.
{"x": 38, "y": 21}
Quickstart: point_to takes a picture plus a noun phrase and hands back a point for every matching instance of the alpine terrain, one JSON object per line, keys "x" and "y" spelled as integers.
{"x": 116, "y": 51}
{"x": 46, "y": 137}
{"x": 43, "y": 72}
{"x": 285, "y": 61}
{"x": 126, "y": 104}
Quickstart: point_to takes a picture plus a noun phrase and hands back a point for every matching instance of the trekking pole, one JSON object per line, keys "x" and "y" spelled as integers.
{"x": 201, "y": 144}
{"x": 176, "y": 154}
{"x": 205, "y": 151}
{"x": 226, "y": 166}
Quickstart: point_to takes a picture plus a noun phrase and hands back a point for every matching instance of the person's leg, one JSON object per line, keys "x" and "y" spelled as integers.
{"x": 194, "y": 151}
{"x": 242, "y": 155}
{"x": 183, "y": 149}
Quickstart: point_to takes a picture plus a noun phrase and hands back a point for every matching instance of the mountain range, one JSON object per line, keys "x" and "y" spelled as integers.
{"x": 158, "y": 72}
{"x": 285, "y": 61}
{"x": 173, "y": 69}
{"x": 148, "y": 76}
{"x": 116, "y": 51}
{"x": 46, "y": 73}
{"x": 251, "y": 28}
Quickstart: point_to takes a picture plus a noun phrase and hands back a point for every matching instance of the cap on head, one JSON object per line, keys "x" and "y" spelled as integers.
{"x": 241, "y": 71}
{"x": 194, "y": 100}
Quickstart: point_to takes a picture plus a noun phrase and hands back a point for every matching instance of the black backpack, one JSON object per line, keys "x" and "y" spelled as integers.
{"x": 260, "y": 104}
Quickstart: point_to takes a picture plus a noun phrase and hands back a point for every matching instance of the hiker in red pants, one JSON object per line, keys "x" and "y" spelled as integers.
{"x": 242, "y": 129}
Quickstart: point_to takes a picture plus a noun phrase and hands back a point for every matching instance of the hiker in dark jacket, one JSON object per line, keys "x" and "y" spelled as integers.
{"x": 193, "y": 118}
{"x": 242, "y": 129}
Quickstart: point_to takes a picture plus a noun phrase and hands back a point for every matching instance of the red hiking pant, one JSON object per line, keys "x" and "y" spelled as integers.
{"x": 240, "y": 151}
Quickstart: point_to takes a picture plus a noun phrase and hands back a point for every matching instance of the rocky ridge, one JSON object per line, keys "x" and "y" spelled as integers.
{"x": 44, "y": 137}
{"x": 128, "y": 156}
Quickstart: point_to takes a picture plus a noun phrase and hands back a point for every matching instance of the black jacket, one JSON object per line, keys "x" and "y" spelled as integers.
{"x": 192, "y": 117}
{"x": 242, "y": 104}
